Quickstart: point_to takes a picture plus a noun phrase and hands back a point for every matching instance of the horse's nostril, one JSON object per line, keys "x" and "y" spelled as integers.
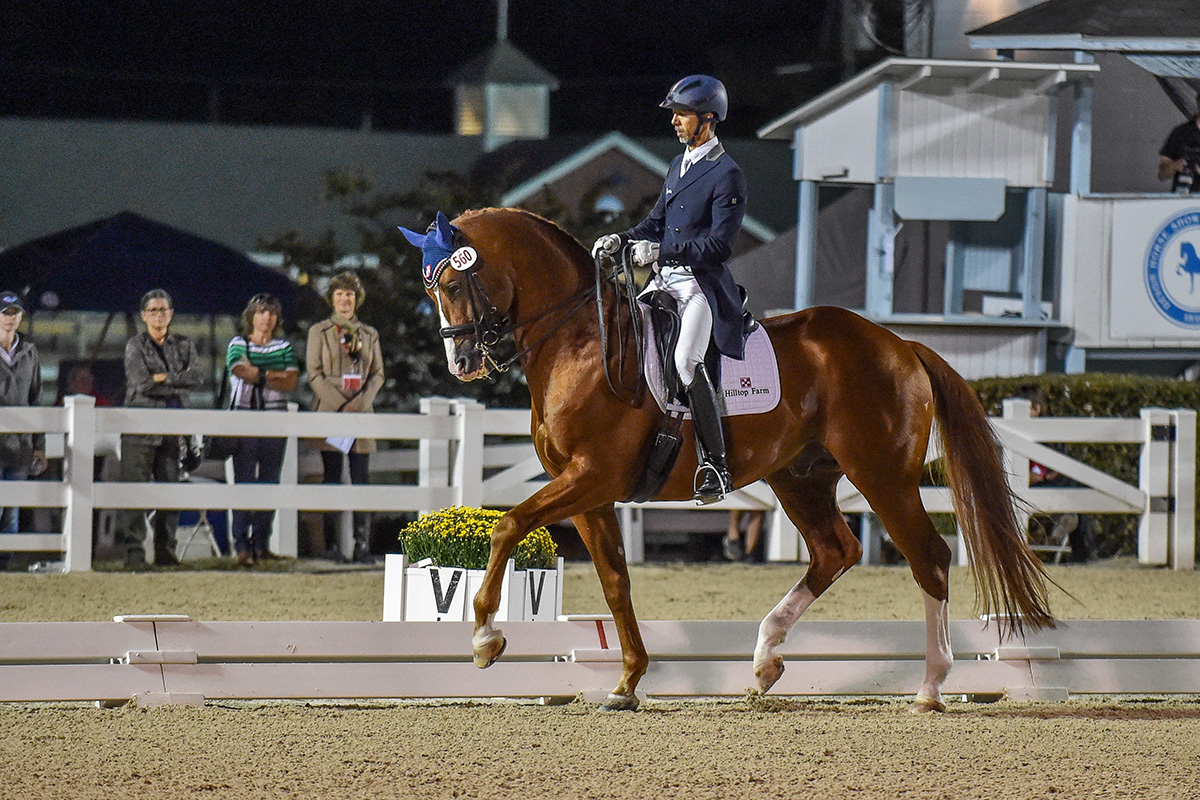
{"x": 462, "y": 362}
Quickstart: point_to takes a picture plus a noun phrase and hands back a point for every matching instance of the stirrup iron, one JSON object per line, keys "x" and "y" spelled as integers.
{"x": 722, "y": 479}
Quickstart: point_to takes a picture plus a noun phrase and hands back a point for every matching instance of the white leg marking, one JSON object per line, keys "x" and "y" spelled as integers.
{"x": 775, "y": 626}
{"x": 485, "y": 634}
{"x": 938, "y": 656}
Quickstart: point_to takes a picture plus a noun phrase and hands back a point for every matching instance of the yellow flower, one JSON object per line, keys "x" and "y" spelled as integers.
{"x": 461, "y": 536}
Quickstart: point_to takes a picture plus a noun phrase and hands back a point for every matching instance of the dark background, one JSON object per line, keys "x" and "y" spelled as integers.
{"x": 338, "y": 62}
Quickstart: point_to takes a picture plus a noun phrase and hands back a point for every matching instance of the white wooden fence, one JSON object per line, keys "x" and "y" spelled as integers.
{"x": 465, "y": 454}
{"x": 157, "y": 659}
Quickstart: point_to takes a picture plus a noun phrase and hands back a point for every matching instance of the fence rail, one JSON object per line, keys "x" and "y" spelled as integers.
{"x": 463, "y": 453}
{"x": 172, "y": 659}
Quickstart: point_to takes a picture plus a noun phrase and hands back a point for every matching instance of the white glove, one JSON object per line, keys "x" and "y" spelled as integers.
{"x": 644, "y": 253}
{"x": 607, "y": 244}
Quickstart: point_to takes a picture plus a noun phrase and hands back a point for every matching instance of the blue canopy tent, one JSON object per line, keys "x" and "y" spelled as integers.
{"x": 107, "y": 265}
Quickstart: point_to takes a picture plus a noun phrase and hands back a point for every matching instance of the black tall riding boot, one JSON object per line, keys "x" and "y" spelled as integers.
{"x": 712, "y": 479}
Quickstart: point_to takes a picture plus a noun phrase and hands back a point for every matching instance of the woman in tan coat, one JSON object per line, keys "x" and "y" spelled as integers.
{"x": 345, "y": 369}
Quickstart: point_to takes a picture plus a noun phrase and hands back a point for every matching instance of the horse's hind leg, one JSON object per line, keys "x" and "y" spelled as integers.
{"x": 811, "y": 504}
{"x": 602, "y": 535}
{"x": 928, "y": 557}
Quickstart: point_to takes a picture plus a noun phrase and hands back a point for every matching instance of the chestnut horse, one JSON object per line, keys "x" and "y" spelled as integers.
{"x": 855, "y": 400}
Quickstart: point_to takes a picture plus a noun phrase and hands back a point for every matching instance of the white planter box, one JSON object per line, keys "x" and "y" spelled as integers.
{"x": 439, "y": 594}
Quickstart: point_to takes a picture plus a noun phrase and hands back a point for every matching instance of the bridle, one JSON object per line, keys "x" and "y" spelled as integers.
{"x": 487, "y": 326}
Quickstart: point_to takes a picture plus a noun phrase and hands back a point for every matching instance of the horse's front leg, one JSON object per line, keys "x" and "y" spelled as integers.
{"x": 602, "y": 535}
{"x": 561, "y": 498}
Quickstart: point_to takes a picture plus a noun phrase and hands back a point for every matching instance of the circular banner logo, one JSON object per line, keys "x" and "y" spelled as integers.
{"x": 1173, "y": 269}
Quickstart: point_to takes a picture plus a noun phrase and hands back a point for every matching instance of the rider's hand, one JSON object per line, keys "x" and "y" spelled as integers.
{"x": 607, "y": 244}
{"x": 644, "y": 253}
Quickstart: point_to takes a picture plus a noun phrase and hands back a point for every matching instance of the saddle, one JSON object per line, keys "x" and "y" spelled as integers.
{"x": 668, "y": 389}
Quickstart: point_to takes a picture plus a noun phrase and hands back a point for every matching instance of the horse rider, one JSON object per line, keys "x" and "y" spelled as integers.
{"x": 686, "y": 240}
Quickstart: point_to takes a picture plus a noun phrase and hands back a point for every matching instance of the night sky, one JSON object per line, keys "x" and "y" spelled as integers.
{"x": 326, "y": 62}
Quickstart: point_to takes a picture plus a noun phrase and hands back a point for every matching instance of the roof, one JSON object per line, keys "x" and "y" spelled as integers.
{"x": 503, "y": 63}
{"x": 582, "y": 155}
{"x": 1153, "y": 25}
{"x": 531, "y": 165}
{"x": 907, "y": 72}
{"x": 239, "y": 185}
{"x": 107, "y": 265}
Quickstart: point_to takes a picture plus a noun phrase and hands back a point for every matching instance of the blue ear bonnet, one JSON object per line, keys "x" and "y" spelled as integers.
{"x": 436, "y": 245}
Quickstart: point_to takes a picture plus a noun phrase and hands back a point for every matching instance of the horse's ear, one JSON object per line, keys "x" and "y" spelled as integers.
{"x": 415, "y": 239}
{"x": 443, "y": 232}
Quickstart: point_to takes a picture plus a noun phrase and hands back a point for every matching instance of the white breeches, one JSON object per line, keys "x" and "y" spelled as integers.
{"x": 695, "y": 318}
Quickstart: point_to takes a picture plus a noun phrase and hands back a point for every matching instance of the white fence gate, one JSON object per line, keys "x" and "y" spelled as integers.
{"x": 465, "y": 454}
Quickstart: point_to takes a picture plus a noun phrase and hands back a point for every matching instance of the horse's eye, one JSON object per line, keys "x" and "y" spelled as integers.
{"x": 453, "y": 290}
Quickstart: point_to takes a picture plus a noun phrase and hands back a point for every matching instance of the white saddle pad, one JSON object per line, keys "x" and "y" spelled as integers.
{"x": 749, "y": 386}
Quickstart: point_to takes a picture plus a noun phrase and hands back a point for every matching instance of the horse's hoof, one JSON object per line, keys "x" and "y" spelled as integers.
{"x": 483, "y": 660}
{"x": 769, "y": 674}
{"x": 620, "y": 702}
{"x": 926, "y": 705}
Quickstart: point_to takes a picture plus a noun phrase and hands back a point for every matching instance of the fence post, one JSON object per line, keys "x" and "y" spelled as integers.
{"x": 434, "y": 454}
{"x": 633, "y": 534}
{"x": 1183, "y": 490}
{"x": 468, "y": 451}
{"x": 1016, "y": 468}
{"x": 1154, "y": 479}
{"x": 79, "y": 463}
{"x": 287, "y": 520}
{"x": 784, "y": 542}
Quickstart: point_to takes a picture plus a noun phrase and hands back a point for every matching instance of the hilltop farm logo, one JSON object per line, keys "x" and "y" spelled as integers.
{"x": 1172, "y": 264}
{"x": 745, "y": 388}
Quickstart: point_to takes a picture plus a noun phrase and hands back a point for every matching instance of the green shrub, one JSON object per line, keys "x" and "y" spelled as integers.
{"x": 1097, "y": 395}
{"x": 461, "y": 537}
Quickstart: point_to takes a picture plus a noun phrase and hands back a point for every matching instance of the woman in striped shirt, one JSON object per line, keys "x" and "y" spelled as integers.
{"x": 263, "y": 370}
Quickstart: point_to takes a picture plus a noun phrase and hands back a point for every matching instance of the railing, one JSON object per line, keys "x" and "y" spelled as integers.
{"x": 171, "y": 659}
{"x": 459, "y": 461}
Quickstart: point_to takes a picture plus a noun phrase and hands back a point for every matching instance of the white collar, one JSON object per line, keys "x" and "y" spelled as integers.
{"x": 692, "y": 156}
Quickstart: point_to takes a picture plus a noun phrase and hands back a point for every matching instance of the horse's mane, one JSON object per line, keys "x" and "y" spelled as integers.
{"x": 577, "y": 252}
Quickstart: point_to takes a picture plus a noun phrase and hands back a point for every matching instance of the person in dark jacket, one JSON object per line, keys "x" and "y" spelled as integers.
{"x": 687, "y": 240}
{"x": 161, "y": 370}
{"x": 21, "y": 454}
{"x": 1179, "y": 158}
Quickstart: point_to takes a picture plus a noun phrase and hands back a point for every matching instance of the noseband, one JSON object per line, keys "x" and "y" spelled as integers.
{"x": 487, "y": 325}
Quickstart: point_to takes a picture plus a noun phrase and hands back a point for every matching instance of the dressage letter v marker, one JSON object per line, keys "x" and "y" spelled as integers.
{"x": 535, "y": 594}
{"x": 443, "y": 602}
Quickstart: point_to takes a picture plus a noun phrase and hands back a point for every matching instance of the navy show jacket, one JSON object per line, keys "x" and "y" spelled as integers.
{"x": 696, "y": 221}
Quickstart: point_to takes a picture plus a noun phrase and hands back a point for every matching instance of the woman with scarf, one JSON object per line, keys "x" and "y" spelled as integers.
{"x": 345, "y": 369}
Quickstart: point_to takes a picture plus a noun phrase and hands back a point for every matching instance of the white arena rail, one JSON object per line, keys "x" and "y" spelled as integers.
{"x": 465, "y": 454}
{"x": 171, "y": 659}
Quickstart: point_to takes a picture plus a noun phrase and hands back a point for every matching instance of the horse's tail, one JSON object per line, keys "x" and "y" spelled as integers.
{"x": 1010, "y": 581}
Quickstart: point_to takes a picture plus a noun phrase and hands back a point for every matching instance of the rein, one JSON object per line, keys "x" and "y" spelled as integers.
{"x": 625, "y": 288}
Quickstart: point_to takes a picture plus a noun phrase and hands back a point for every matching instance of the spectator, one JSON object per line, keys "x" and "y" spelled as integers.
{"x": 734, "y": 547}
{"x": 345, "y": 369}
{"x": 262, "y": 371}
{"x": 21, "y": 454}
{"x": 1179, "y": 158}
{"x": 161, "y": 369}
{"x": 81, "y": 380}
